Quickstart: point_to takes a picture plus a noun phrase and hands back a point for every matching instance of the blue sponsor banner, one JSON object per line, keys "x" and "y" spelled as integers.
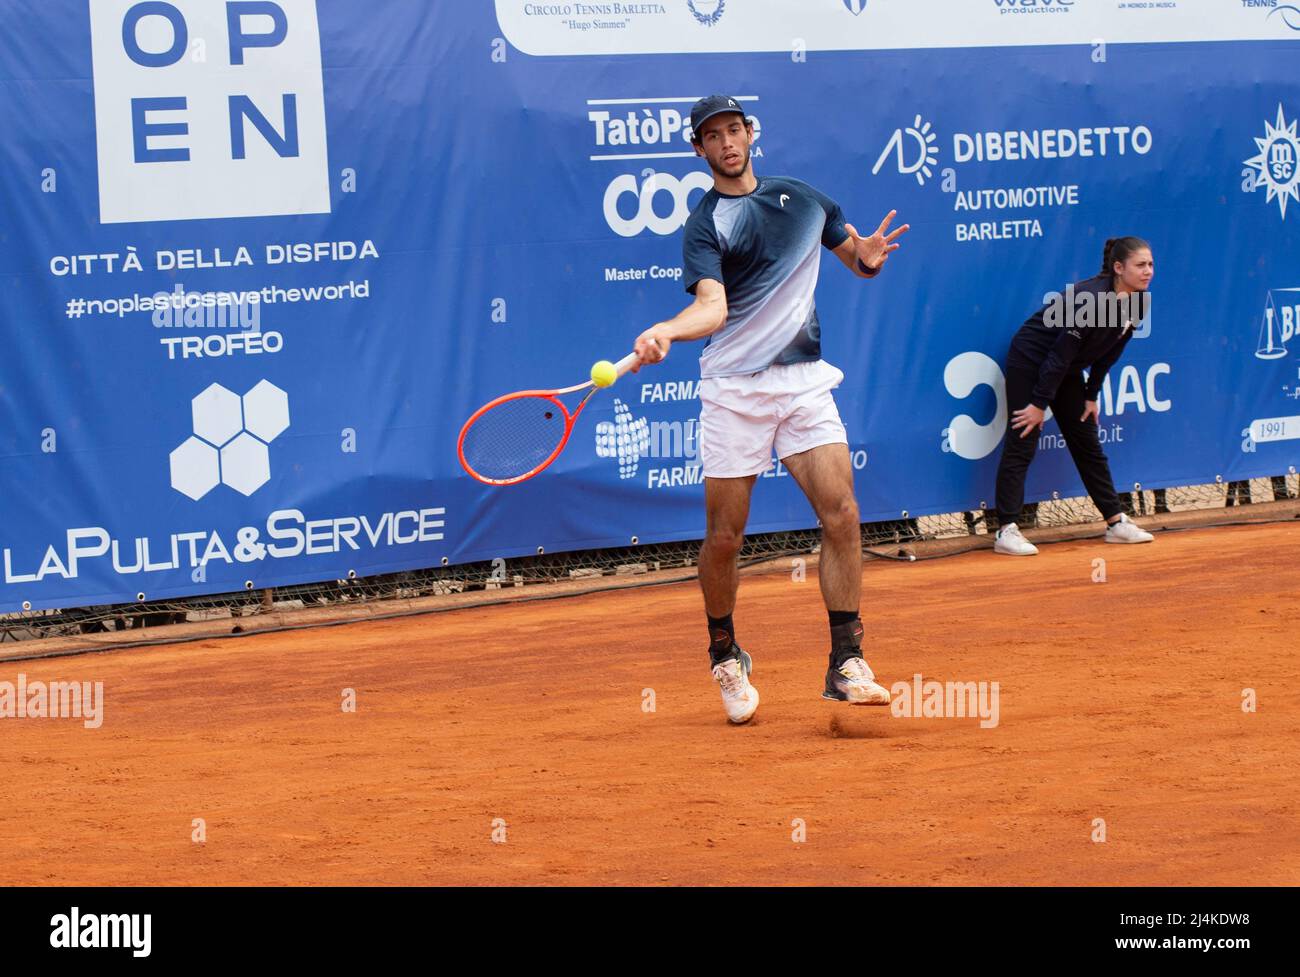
{"x": 259, "y": 261}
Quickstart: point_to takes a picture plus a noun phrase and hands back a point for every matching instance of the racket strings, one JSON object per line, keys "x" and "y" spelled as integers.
{"x": 514, "y": 437}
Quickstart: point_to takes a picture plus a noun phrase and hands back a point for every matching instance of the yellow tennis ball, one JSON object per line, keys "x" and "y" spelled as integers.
{"x": 604, "y": 373}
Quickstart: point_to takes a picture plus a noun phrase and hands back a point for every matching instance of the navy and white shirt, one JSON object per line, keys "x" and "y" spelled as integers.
{"x": 765, "y": 248}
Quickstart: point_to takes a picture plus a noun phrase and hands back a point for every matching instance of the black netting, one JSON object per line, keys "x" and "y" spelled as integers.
{"x": 951, "y": 533}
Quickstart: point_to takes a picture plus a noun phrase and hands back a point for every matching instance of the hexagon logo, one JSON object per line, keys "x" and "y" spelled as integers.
{"x": 266, "y": 411}
{"x": 218, "y": 416}
{"x": 230, "y": 440}
{"x": 195, "y": 471}
{"x": 245, "y": 464}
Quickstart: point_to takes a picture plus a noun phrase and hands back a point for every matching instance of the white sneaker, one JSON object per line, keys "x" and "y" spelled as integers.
{"x": 854, "y": 682}
{"x": 1010, "y": 541}
{"x": 1127, "y": 531}
{"x": 738, "y": 696}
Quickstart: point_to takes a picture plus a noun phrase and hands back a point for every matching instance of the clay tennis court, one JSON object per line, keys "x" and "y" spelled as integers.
{"x": 1118, "y": 700}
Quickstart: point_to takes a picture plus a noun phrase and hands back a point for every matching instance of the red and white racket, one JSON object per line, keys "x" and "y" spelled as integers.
{"x": 513, "y": 438}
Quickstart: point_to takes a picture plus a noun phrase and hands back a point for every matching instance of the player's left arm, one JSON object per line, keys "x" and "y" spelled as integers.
{"x": 865, "y": 256}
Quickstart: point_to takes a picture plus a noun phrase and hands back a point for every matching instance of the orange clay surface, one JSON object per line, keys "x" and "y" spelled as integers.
{"x": 1119, "y": 701}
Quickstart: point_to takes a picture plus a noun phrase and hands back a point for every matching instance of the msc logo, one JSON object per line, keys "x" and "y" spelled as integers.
{"x": 230, "y": 438}
{"x": 626, "y": 439}
{"x": 856, "y": 6}
{"x": 707, "y": 12}
{"x": 914, "y": 150}
{"x": 208, "y": 109}
{"x": 1277, "y": 166}
{"x": 677, "y": 191}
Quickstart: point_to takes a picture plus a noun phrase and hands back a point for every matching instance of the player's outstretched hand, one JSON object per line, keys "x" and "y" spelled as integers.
{"x": 651, "y": 347}
{"x": 1030, "y": 418}
{"x": 875, "y": 250}
{"x": 1090, "y": 410}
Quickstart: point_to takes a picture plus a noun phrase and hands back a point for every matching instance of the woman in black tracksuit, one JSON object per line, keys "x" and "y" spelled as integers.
{"x": 1086, "y": 328}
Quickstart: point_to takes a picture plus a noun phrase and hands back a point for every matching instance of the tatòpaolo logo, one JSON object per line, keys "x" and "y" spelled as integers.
{"x": 707, "y": 12}
{"x": 229, "y": 445}
{"x": 855, "y": 7}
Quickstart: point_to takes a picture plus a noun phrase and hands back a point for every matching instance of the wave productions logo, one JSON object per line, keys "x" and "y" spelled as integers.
{"x": 1277, "y": 166}
{"x": 229, "y": 445}
{"x": 625, "y": 438}
{"x": 915, "y": 151}
{"x": 1034, "y": 6}
{"x": 855, "y": 7}
{"x": 707, "y": 12}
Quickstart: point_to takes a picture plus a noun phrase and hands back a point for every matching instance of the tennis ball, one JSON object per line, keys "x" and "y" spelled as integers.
{"x": 603, "y": 374}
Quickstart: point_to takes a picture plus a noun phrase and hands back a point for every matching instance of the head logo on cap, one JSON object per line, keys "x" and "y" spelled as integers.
{"x": 711, "y": 105}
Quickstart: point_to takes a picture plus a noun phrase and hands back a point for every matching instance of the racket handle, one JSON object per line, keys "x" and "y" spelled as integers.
{"x": 626, "y": 363}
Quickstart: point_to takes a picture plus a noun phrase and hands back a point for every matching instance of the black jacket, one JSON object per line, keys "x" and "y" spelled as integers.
{"x": 1088, "y": 327}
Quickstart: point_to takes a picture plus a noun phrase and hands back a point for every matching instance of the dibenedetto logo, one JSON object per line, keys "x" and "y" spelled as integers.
{"x": 914, "y": 149}
{"x": 206, "y": 109}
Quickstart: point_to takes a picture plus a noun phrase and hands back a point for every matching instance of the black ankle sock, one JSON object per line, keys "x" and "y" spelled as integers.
{"x": 722, "y": 635}
{"x": 846, "y": 636}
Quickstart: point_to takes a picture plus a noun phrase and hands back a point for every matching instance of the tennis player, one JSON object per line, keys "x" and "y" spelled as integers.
{"x": 1045, "y": 368}
{"x": 752, "y": 249}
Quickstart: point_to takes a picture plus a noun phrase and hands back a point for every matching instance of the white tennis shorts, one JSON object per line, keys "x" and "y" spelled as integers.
{"x": 789, "y": 409}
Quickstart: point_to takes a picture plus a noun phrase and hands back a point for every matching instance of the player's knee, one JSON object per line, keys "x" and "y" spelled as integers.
{"x": 724, "y": 540}
{"x": 841, "y": 518}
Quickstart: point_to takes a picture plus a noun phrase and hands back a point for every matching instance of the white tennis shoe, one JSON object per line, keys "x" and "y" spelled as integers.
{"x": 854, "y": 682}
{"x": 1012, "y": 542}
{"x": 1127, "y": 531}
{"x": 738, "y": 696}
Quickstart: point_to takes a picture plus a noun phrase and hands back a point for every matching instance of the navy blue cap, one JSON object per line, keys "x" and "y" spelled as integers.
{"x": 711, "y": 105}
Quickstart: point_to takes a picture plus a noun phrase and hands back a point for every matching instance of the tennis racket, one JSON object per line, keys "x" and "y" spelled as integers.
{"x": 513, "y": 438}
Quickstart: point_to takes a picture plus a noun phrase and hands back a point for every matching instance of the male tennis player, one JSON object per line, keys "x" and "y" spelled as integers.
{"x": 751, "y": 250}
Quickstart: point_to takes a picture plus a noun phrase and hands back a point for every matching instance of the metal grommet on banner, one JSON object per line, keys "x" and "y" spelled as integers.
{"x": 1291, "y": 470}
{"x": 1056, "y": 496}
{"x": 445, "y": 561}
{"x": 248, "y": 585}
{"x": 27, "y": 605}
{"x": 904, "y": 513}
{"x": 1218, "y": 479}
{"x": 1137, "y": 486}
{"x": 983, "y": 505}
{"x": 634, "y": 540}
{"x": 140, "y": 597}
{"x": 352, "y": 575}
{"x": 541, "y": 550}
